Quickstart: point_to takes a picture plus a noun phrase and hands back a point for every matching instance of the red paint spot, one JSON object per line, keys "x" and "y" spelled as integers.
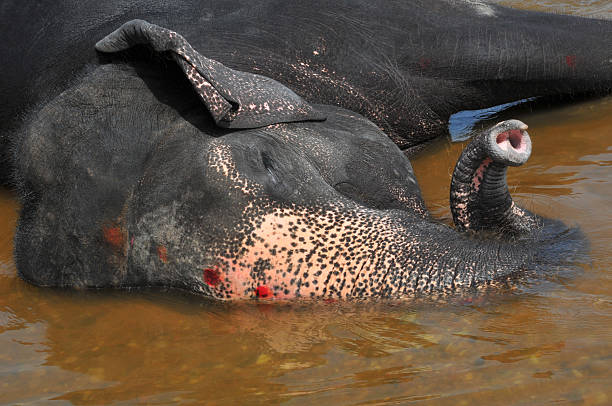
{"x": 113, "y": 236}
{"x": 162, "y": 253}
{"x": 424, "y": 63}
{"x": 212, "y": 277}
{"x": 263, "y": 291}
{"x": 570, "y": 60}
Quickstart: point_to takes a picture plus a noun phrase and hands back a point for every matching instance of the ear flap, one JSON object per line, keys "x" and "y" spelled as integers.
{"x": 235, "y": 99}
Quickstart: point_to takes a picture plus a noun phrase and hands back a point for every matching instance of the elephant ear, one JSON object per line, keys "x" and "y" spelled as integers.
{"x": 235, "y": 99}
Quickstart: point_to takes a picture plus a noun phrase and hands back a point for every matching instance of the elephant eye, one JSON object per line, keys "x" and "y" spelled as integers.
{"x": 269, "y": 164}
{"x": 276, "y": 181}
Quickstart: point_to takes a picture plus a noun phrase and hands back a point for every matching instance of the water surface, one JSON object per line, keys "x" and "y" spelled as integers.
{"x": 549, "y": 341}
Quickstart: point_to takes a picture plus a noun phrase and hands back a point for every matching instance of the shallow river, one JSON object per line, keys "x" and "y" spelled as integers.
{"x": 548, "y": 341}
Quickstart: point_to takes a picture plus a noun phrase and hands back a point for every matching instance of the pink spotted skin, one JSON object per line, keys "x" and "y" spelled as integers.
{"x": 235, "y": 99}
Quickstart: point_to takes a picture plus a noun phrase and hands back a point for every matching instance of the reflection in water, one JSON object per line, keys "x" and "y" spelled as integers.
{"x": 525, "y": 353}
{"x": 548, "y": 341}
{"x": 588, "y": 8}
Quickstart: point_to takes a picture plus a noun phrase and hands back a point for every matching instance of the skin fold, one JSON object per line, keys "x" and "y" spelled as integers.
{"x": 406, "y": 67}
{"x": 130, "y": 172}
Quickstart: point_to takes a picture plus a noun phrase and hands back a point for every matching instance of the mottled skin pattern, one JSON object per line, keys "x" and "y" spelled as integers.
{"x": 292, "y": 209}
{"x": 234, "y": 99}
{"x": 406, "y": 66}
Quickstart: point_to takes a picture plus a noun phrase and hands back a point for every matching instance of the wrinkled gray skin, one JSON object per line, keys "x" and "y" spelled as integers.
{"x": 131, "y": 175}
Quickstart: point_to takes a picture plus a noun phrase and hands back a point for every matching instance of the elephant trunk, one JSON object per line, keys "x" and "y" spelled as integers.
{"x": 479, "y": 196}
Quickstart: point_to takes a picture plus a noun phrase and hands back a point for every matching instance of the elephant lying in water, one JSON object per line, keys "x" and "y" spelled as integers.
{"x": 406, "y": 66}
{"x": 127, "y": 183}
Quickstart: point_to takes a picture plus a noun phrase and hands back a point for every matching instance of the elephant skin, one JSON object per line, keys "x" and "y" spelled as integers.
{"x": 128, "y": 176}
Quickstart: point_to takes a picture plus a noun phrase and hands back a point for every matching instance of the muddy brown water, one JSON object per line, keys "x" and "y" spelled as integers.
{"x": 546, "y": 342}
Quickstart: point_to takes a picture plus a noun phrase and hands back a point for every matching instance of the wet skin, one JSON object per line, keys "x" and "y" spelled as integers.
{"x": 407, "y": 66}
{"x": 314, "y": 208}
{"x": 126, "y": 179}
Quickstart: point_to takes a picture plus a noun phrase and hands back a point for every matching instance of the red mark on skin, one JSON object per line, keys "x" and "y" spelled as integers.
{"x": 570, "y": 60}
{"x": 424, "y": 63}
{"x": 480, "y": 173}
{"x": 330, "y": 300}
{"x": 212, "y": 277}
{"x": 162, "y": 253}
{"x": 263, "y": 291}
{"x": 132, "y": 242}
{"x": 113, "y": 236}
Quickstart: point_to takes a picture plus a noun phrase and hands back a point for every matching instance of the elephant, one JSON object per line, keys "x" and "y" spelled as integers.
{"x": 275, "y": 164}
{"x": 406, "y": 66}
